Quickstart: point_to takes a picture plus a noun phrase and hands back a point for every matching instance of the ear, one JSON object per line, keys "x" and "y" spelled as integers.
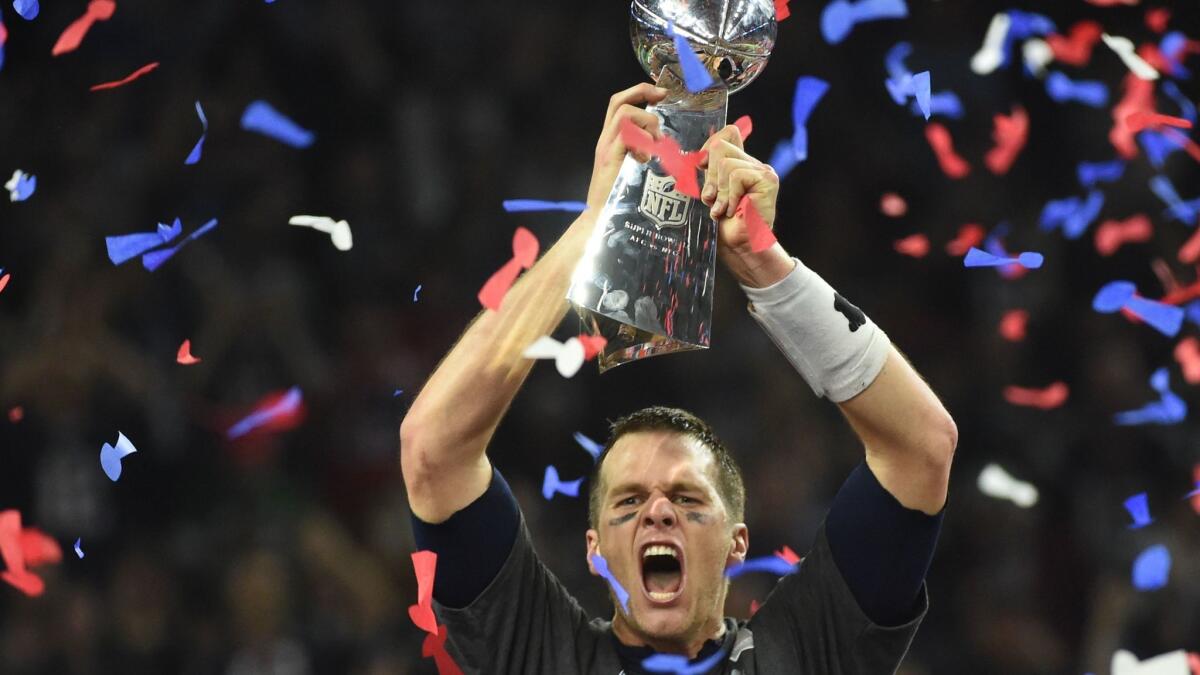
{"x": 739, "y": 545}
{"x": 593, "y": 547}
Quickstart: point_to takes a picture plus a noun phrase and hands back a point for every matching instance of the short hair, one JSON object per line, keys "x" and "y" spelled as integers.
{"x": 730, "y": 485}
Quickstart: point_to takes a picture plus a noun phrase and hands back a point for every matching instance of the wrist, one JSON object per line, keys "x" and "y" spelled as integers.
{"x": 762, "y": 269}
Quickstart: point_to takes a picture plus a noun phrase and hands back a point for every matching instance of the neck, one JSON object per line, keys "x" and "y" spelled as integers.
{"x": 689, "y": 646}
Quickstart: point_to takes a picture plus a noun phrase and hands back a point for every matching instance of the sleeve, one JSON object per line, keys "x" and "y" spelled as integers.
{"x": 522, "y": 620}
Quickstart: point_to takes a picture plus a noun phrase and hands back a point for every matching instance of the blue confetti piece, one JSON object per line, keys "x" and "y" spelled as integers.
{"x": 1063, "y": 89}
{"x": 78, "y": 549}
{"x": 809, "y": 91}
{"x": 1138, "y": 507}
{"x": 601, "y": 566}
{"x": 1171, "y": 47}
{"x": 1169, "y": 409}
{"x": 551, "y": 484}
{"x": 27, "y": 9}
{"x": 261, "y": 118}
{"x": 127, "y": 246}
{"x": 695, "y": 76}
{"x": 1073, "y": 214}
{"x": 1177, "y": 208}
{"x": 21, "y": 186}
{"x": 1166, "y": 319}
{"x": 1090, "y": 173}
{"x": 840, "y": 16}
{"x": 285, "y": 406}
{"x": 680, "y": 665}
{"x": 1158, "y": 146}
{"x": 194, "y": 155}
{"x": 523, "y": 205}
{"x": 771, "y": 563}
{"x": 397, "y": 393}
{"x": 942, "y": 104}
{"x": 415, "y": 291}
{"x": 783, "y": 158}
{"x": 978, "y": 258}
{"x": 921, "y": 90}
{"x": 1187, "y": 109}
{"x": 894, "y": 60}
{"x": 155, "y": 259}
{"x": 110, "y": 457}
{"x": 1024, "y": 25}
{"x": 592, "y": 447}
{"x": 1191, "y": 310}
{"x": 1112, "y": 296}
{"x": 1058, "y": 210}
{"x": 1152, "y": 568}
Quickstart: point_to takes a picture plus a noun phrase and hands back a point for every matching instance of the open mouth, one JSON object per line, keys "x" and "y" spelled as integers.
{"x": 662, "y": 572}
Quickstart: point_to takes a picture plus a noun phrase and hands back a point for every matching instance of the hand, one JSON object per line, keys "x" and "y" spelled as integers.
{"x": 610, "y": 151}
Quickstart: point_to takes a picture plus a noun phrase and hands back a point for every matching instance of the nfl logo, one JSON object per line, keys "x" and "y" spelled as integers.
{"x": 661, "y": 203}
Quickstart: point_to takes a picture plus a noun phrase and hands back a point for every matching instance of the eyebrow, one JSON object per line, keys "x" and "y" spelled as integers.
{"x": 678, "y": 486}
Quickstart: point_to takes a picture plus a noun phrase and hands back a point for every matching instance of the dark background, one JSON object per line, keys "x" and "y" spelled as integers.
{"x": 208, "y": 555}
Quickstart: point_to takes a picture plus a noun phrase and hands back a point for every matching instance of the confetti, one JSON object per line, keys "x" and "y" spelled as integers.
{"x": 194, "y": 156}
{"x": 1037, "y": 55}
{"x": 761, "y": 236}
{"x": 127, "y": 246}
{"x": 435, "y": 646}
{"x": 771, "y": 564}
{"x": 808, "y": 93}
{"x": 260, "y": 117}
{"x": 27, "y": 9}
{"x": 127, "y": 79}
{"x": 893, "y": 205}
{"x": 4, "y": 282}
{"x": 1063, "y": 89}
{"x": 1125, "y": 50}
{"x": 1091, "y": 173}
{"x": 840, "y": 16}
{"x": 1152, "y": 568}
{"x": 1076, "y": 48}
{"x": 524, "y": 205}
{"x": 991, "y": 55}
{"x": 415, "y": 291}
{"x": 592, "y": 345}
{"x": 16, "y": 414}
{"x": 1171, "y": 663}
{"x": 995, "y": 482}
{"x": 1009, "y": 133}
{"x": 601, "y": 567}
{"x": 1187, "y": 109}
{"x": 680, "y": 165}
{"x": 1121, "y": 295}
{"x": 916, "y": 86}
{"x": 942, "y": 104}
{"x": 22, "y": 548}
{"x": 994, "y": 244}
{"x": 1139, "y": 96}
{"x": 1169, "y": 409}
{"x": 1013, "y": 324}
{"x": 1112, "y": 234}
{"x": 745, "y": 126}
{"x": 155, "y": 259}
{"x": 276, "y": 412}
{"x": 568, "y": 356}
{"x": 787, "y": 555}
{"x": 3, "y": 40}
{"x": 980, "y": 258}
{"x": 783, "y": 158}
{"x": 695, "y": 76}
{"x": 21, "y": 186}
{"x": 551, "y": 485}
{"x": 592, "y": 447}
{"x": 110, "y": 457}
{"x": 969, "y": 235}
{"x": 1073, "y": 214}
{"x": 339, "y": 231}
{"x": 1194, "y": 495}
{"x": 1184, "y": 211}
{"x": 425, "y": 567}
{"x": 1137, "y": 121}
{"x": 1048, "y": 398}
{"x": 1157, "y": 18}
{"x": 78, "y": 550}
{"x": 184, "y": 355}
{"x": 781, "y": 10}
{"x": 1138, "y": 507}
{"x": 951, "y": 163}
{"x": 914, "y": 245}
{"x": 681, "y": 665}
{"x": 1187, "y": 354}
{"x": 525, "y": 251}
{"x": 72, "y": 37}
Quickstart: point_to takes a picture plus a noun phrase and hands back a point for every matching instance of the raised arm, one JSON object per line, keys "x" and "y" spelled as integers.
{"x": 444, "y": 436}
{"x": 909, "y": 436}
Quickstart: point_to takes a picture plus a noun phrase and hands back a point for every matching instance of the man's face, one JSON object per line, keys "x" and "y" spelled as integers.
{"x": 666, "y": 535}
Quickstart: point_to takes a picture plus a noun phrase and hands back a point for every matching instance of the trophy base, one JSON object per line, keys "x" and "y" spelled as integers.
{"x": 626, "y": 343}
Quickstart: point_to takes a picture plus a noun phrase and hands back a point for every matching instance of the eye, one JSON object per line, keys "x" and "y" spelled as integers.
{"x": 684, "y": 499}
{"x": 628, "y": 501}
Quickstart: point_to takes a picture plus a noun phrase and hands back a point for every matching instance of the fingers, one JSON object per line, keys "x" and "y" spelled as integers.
{"x": 725, "y": 143}
{"x": 760, "y": 182}
{"x": 725, "y": 168}
{"x": 635, "y": 95}
{"x": 640, "y": 118}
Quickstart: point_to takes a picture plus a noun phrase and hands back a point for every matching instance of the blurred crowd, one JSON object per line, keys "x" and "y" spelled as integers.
{"x": 288, "y": 553}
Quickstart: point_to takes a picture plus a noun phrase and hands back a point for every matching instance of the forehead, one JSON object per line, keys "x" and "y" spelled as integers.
{"x": 654, "y": 458}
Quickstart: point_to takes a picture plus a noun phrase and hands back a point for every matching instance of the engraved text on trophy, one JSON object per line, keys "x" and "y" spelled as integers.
{"x": 662, "y": 204}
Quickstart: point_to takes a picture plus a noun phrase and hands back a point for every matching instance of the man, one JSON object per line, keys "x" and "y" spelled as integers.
{"x": 667, "y": 499}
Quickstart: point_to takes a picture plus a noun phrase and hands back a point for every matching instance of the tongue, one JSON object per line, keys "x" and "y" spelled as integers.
{"x": 663, "y": 582}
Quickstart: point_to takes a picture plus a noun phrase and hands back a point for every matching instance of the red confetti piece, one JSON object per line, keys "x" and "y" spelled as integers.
{"x": 754, "y": 607}
{"x": 126, "y": 80}
{"x": 939, "y": 139}
{"x": 1112, "y": 234}
{"x": 1139, "y": 97}
{"x": 4, "y": 281}
{"x": 1111, "y": 3}
{"x": 184, "y": 355}
{"x": 1051, "y": 397}
{"x": 1012, "y": 325}
{"x": 1189, "y": 146}
{"x": 787, "y": 554}
{"x": 1076, "y": 48}
{"x": 23, "y": 548}
{"x": 680, "y": 165}
{"x": 745, "y": 126}
{"x": 1193, "y": 657}
{"x": 1009, "y": 133}
{"x": 893, "y": 205}
{"x": 525, "y": 251}
{"x": 425, "y": 566}
{"x": 761, "y": 236}
{"x": 1157, "y": 18}
{"x": 971, "y": 234}
{"x": 592, "y": 345}
{"x": 16, "y": 414}
{"x": 435, "y": 646}
{"x": 1187, "y": 354}
{"x": 69, "y": 41}
{"x": 914, "y": 245}
{"x": 1150, "y": 53}
{"x": 39, "y": 548}
{"x": 781, "y": 10}
{"x": 1190, "y": 251}
{"x": 1141, "y": 119}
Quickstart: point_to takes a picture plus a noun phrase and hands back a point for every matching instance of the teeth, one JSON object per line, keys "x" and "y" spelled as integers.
{"x": 661, "y": 597}
{"x": 659, "y": 550}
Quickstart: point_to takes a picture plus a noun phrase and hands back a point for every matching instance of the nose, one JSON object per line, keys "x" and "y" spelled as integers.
{"x": 659, "y": 512}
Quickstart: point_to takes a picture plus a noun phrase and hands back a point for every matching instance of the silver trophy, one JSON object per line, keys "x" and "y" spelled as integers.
{"x": 645, "y": 281}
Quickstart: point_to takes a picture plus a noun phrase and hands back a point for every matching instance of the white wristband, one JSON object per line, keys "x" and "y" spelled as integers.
{"x": 836, "y": 348}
